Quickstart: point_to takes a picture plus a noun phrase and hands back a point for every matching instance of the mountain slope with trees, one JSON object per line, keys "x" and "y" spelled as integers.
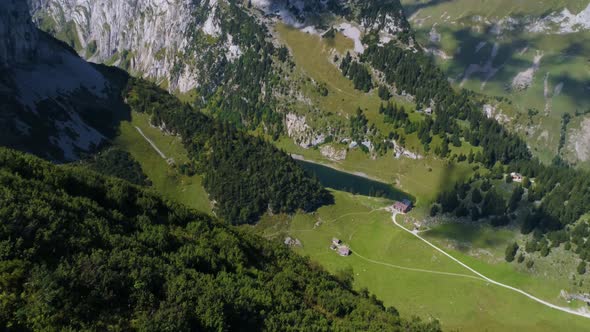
{"x": 245, "y": 175}
{"x": 80, "y": 251}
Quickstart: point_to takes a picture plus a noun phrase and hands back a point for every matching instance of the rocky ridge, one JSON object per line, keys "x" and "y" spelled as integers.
{"x": 46, "y": 86}
{"x": 150, "y": 37}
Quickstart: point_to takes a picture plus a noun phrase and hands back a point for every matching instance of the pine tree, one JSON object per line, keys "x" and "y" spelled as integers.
{"x": 511, "y": 252}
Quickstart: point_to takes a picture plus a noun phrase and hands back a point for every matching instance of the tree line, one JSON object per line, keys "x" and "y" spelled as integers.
{"x": 416, "y": 74}
{"x": 246, "y": 176}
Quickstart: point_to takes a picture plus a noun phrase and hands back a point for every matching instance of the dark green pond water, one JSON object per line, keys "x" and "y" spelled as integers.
{"x": 351, "y": 183}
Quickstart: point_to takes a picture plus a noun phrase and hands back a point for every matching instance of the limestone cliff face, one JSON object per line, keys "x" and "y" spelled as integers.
{"x": 181, "y": 42}
{"x": 227, "y": 49}
{"x": 152, "y": 38}
{"x": 48, "y": 95}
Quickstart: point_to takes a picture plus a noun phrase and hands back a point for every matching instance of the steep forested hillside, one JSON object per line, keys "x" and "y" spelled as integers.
{"x": 79, "y": 251}
{"x": 245, "y": 175}
{"x": 52, "y": 103}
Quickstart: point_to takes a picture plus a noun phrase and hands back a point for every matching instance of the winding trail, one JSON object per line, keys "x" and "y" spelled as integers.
{"x": 151, "y": 143}
{"x": 551, "y": 305}
{"x": 413, "y": 269}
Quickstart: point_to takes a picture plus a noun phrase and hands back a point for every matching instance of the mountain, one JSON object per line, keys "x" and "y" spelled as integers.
{"x": 83, "y": 251}
{"x": 59, "y": 106}
{"x": 54, "y": 103}
{"x": 530, "y": 58}
{"x": 210, "y": 44}
{"x": 342, "y": 76}
{"x": 86, "y": 252}
{"x": 150, "y": 37}
{"x": 232, "y": 91}
{"x": 267, "y": 87}
{"x": 186, "y": 44}
{"x": 216, "y": 53}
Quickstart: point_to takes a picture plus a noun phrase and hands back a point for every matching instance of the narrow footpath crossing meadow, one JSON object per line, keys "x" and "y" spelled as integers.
{"x": 551, "y": 305}
{"x": 408, "y": 272}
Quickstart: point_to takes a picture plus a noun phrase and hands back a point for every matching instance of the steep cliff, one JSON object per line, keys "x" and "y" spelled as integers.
{"x": 225, "y": 56}
{"x": 18, "y": 38}
{"x": 52, "y": 101}
{"x": 169, "y": 41}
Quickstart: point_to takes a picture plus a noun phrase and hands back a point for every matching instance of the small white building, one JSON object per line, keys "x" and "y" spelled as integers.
{"x": 516, "y": 177}
{"x": 344, "y": 251}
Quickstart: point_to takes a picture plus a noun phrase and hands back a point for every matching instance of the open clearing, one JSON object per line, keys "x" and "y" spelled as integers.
{"x": 580, "y": 313}
{"x": 166, "y": 179}
{"x": 405, "y": 272}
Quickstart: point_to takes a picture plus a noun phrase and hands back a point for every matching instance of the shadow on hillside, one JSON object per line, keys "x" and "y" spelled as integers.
{"x": 411, "y": 9}
{"x": 115, "y": 109}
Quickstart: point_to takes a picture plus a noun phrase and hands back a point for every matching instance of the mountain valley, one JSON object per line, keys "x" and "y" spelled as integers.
{"x": 205, "y": 156}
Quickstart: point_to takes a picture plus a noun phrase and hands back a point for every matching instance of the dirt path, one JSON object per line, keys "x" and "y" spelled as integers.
{"x": 355, "y": 253}
{"x": 551, "y": 305}
{"x": 151, "y": 143}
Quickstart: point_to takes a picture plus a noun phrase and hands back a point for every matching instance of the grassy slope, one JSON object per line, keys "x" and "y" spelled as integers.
{"x": 565, "y": 59}
{"x": 313, "y": 56}
{"x": 460, "y": 302}
{"x": 166, "y": 179}
{"x": 314, "y": 59}
{"x": 423, "y": 178}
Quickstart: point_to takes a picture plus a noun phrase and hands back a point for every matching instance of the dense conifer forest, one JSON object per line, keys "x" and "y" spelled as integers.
{"x": 245, "y": 175}
{"x": 417, "y": 75}
{"x": 83, "y": 252}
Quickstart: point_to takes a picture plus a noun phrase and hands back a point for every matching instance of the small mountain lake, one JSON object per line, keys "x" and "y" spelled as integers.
{"x": 355, "y": 184}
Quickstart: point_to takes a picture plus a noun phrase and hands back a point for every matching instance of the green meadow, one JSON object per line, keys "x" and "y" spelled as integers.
{"x": 313, "y": 56}
{"x": 165, "y": 178}
{"x": 559, "y": 85}
{"x": 406, "y": 273}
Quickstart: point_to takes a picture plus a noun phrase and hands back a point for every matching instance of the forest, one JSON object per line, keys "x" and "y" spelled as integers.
{"x": 245, "y": 175}
{"x": 416, "y": 74}
{"x": 118, "y": 163}
{"x": 550, "y": 205}
{"x": 244, "y": 93}
{"x": 84, "y": 252}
